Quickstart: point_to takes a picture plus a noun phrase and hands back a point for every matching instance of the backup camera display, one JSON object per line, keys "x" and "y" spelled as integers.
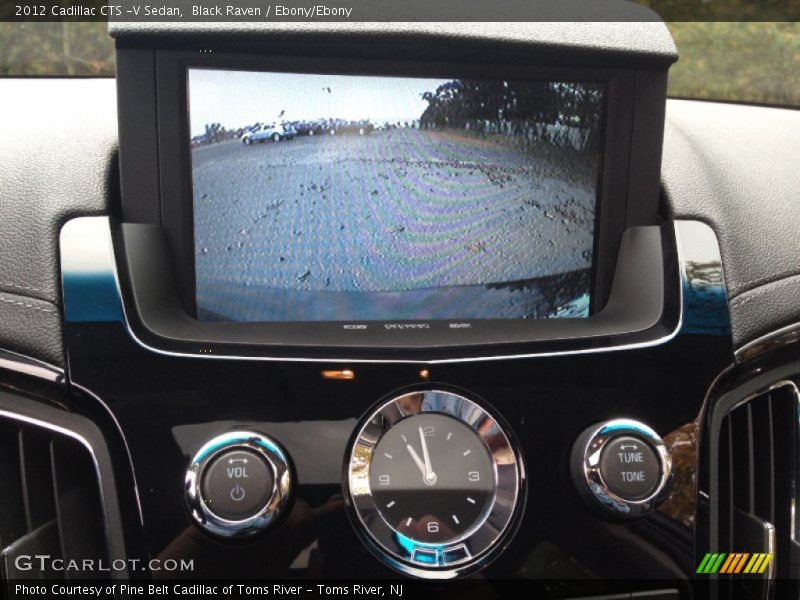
{"x": 348, "y": 198}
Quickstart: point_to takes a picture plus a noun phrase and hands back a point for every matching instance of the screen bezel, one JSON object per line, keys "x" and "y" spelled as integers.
{"x": 175, "y": 154}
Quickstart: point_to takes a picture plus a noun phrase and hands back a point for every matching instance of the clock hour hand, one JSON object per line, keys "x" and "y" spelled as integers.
{"x": 417, "y": 460}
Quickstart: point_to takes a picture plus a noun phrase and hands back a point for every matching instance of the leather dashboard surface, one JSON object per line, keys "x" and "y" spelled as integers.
{"x": 736, "y": 168}
{"x": 57, "y": 161}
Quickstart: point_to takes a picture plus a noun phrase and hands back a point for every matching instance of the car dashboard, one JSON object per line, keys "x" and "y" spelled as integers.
{"x": 624, "y": 426}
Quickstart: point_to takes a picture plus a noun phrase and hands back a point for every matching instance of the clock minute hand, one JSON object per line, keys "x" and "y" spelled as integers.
{"x": 430, "y": 476}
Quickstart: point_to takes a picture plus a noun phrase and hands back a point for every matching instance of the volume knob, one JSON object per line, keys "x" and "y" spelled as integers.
{"x": 238, "y": 484}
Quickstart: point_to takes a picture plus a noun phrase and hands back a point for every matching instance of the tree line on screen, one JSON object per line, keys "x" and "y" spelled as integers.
{"x": 562, "y": 113}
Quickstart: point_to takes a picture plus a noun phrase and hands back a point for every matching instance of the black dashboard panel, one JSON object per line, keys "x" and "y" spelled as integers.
{"x": 642, "y": 308}
{"x": 169, "y": 406}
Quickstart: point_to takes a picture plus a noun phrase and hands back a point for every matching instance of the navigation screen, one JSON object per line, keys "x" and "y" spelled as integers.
{"x": 346, "y": 198}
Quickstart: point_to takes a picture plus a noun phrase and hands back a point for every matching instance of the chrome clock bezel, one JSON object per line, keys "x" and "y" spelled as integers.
{"x": 471, "y": 550}
{"x": 275, "y": 506}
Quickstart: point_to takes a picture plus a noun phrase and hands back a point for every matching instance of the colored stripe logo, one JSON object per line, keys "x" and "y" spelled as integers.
{"x": 732, "y": 563}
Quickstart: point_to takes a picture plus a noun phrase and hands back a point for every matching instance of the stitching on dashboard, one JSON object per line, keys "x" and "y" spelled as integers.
{"x": 781, "y": 280}
{"x": 743, "y": 299}
{"x": 25, "y": 305}
{"x": 738, "y": 302}
{"x": 21, "y": 287}
{"x": 750, "y": 295}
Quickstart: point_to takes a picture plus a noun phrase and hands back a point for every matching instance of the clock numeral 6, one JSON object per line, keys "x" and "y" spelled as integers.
{"x": 433, "y": 527}
{"x": 474, "y": 476}
{"x": 384, "y": 480}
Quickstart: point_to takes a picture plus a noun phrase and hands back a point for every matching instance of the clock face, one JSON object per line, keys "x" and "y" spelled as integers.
{"x": 432, "y": 477}
{"x": 434, "y": 482}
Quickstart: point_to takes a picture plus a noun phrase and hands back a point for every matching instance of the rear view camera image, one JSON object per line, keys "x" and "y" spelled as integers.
{"x": 346, "y": 198}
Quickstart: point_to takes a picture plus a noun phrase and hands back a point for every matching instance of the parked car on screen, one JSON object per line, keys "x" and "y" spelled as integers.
{"x": 270, "y": 132}
{"x": 309, "y": 127}
{"x": 289, "y": 129}
{"x": 351, "y": 127}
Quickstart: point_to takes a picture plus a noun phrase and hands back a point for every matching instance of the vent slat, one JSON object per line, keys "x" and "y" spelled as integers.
{"x": 742, "y": 458}
{"x": 42, "y": 541}
{"x": 37, "y": 484}
{"x": 764, "y": 459}
{"x": 726, "y": 511}
{"x": 78, "y": 507}
{"x": 12, "y": 517}
{"x": 784, "y": 409}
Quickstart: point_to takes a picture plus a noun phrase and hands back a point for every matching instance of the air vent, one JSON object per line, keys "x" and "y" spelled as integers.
{"x": 756, "y": 476}
{"x": 53, "y": 511}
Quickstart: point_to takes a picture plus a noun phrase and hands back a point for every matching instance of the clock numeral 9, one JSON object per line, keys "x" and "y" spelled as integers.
{"x": 384, "y": 480}
{"x": 474, "y": 476}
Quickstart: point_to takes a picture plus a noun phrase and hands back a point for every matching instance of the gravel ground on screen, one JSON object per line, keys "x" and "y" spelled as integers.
{"x": 423, "y": 224}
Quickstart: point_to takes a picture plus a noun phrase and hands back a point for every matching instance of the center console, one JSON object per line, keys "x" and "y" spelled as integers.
{"x": 400, "y": 303}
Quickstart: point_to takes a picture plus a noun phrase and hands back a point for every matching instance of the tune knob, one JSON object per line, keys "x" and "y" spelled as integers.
{"x": 238, "y": 484}
{"x": 621, "y": 467}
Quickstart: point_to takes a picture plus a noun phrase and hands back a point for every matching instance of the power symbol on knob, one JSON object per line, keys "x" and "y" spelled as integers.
{"x": 237, "y": 493}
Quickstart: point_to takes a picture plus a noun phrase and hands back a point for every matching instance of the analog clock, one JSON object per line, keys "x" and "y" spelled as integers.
{"x": 434, "y": 483}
